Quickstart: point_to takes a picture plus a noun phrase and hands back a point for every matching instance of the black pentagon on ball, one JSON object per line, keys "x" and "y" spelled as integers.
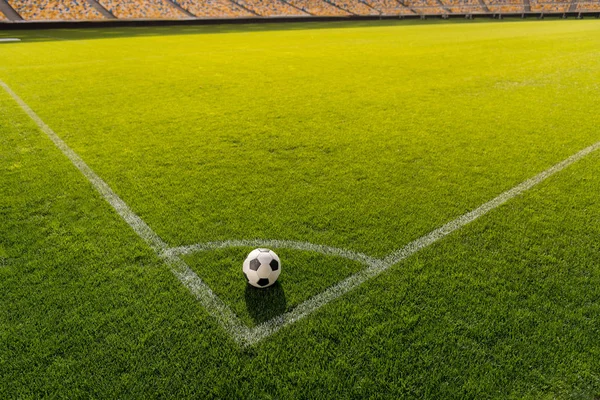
{"x": 274, "y": 265}
{"x": 254, "y": 264}
{"x": 263, "y": 282}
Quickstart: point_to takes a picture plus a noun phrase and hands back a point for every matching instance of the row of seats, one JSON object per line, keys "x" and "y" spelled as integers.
{"x": 354, "y": 7}
{"x": 214, "y": 8}
{"x": 146, "y": 9}
{"x": 318, "y": 7}
{"x": 427, "y": 6}
{"x": 550, "y": 6}
{"x": 463, "y": 6}
{"x": 57, "y": 10}
{"x": 389, "y": 7}
{"x": 172, "y": 9}
{"x": 505, "y": 6}
{"x": 588, "y": 6}
{"x": 271, "y": 8}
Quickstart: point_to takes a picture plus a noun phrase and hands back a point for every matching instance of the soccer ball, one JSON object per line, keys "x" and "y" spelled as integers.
{"x": 262, "y": 268}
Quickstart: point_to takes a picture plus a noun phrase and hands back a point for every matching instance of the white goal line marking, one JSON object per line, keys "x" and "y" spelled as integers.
{"x": 230, "y": 322}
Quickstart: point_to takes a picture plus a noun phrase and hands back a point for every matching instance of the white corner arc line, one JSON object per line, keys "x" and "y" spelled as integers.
{"x": 314, "y": 303}
{"x": 215, "y": 306}
{"x": 375, "y": 266}
{"x": 230, "y": 322}
{"x": 282, "y": 244}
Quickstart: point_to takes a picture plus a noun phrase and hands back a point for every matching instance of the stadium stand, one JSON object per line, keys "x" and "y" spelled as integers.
{"x": 427, "y": 6}
{"x": 142, "y": 9}
{"x": 66, "y": 10}
{"x": 588, "y": 6}
{"x": 505, "y": 6}
{"x": 550, "y": 6}
{"x": 354, "y": 7}
{"x": 214, "y": 8}
{"x": 271, "y": 8}
{"x": 463, "y": 6}
{"x": 55, "y": 10}
{"x": 318, "y": 7}
{"x": 389, "y": 7}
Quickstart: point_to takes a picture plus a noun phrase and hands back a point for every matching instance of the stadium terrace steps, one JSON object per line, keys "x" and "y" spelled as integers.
{"x": 526, "y": 6}
{"x": 441, "y": 4}
{"x": 389, "y": 7}
{"x": 318, "y": 7}
{"x": 183, "y": 10}
{"x": 143, "y": 9}
{"x": 297, "y": 8}
{"x": 214, "y": 8}
{"x": 252, "y": 12}
{"x": 339, "y": 8}
{"x": 7, "y": 11}
{"x": 271, "y": 8}
{"x": 484, "y": 6}
{"x": 505, "y": 6}
{"x": 405, "y": 4}
{"x": 463, "y": 6}
{"x": 354, "y": 7}
{"x": 573, "y": 6}
{"x": 107, "y": 14}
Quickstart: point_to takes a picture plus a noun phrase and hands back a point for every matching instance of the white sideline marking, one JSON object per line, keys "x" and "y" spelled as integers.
{"x": 230, "y": 322}
{"x": 178, "y": 267}
{"x": 9, "y": 40}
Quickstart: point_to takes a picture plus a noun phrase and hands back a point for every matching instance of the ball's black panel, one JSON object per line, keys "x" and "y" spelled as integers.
{"x": 274, "y": 265}
{"x": 254, "y": 264}
{"x": 263, "y": 282}
{"x": 248, "y": 280}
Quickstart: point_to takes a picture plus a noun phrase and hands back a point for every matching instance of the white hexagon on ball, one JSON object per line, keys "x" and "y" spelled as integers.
{"x": 262, "y": 268}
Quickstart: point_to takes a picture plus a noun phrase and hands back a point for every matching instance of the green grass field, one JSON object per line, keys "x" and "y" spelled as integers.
{"x": 361, "y": 137}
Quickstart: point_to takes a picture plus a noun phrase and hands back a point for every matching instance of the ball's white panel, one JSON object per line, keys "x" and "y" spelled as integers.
{"x": 265, "y": 258}
{"x": 252, "y": 277}
{"x": 253, "y": 254}
{"x": 275, "y": 256}
{"x": 274, "y": 275}
{"x": 264, "y": 271}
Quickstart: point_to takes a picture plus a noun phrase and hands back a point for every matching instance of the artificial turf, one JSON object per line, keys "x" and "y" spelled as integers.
{"x": 362, "y": 136}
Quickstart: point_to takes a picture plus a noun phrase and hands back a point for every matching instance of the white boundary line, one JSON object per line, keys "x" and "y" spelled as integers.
{"x": 230, "y": 322}
{"x": 178, "y": 267}
{"x": 313, "y": 304}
